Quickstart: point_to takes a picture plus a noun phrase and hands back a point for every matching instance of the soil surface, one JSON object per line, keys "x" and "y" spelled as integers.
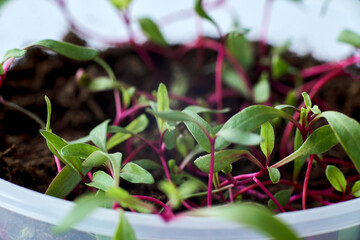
{"x": 24, "y": 157}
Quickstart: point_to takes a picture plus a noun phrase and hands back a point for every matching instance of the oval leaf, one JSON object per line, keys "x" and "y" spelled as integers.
{"x": 262, "y": 89}
{"x": 240, "y": 137}
{"x": 347, "y": 131}
{"x": 321, "y": 140}
{"x": 254, "y": 216}
{"x": 81, "y": 150}
{"x": 267, "y": 133}
{"x": 349, "y": 37}
{"x": 223, "y": 159}
{"x": 68, "y": 50}
{"x": 282, "y": 197}
{"x": 135, "y": 174}
{"x": 336, "y": 178}
{"x": 152, "y": 31}
{"x": 355, "y": 190}
{"x": 98, "y": 135}
{"x": 274, "y": 174}
{"x": 101, "y": 181}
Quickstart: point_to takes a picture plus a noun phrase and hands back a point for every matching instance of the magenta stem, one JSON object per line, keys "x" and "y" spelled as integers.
{"x": 131, "y": 156}
{"x": 269, "y": 194}
{"x": 156, "y": 201}
{"x": 58, "y": 164}
{"x": 306, "y": 181}
{"x": 117, "y": 108}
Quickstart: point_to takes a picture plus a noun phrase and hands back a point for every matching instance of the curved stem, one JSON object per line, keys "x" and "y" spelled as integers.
{"x": 306, "y": 181}
{"x": 269, "y": 194}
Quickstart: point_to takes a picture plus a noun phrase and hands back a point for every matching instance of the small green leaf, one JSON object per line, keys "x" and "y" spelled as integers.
{"x": 127, "y": 201}
{"x": 81, "y": 150}
{"x": 254, "y": 216}
{"x": 163, "y": 104}
{"x": 240, "y": 48}
{"x": 95, "y": 159}
{"x": 201, "y": 12}
{"x": 274, "y": 174}
{"x": 121, "y": 5}
{"x": 187, "y": 188}
{"x": 184, "y": 144}
{"x": 171, "y": 192}
{"x": 282, "y": 197}
{"x": 135, "y": 174}
{"x": 321, "y": 140}
{"x": 85, "y": 205}
{"x": 127, "y": 94}
{"x": 48, "y": 105}
{"x": 136, "y": 126}
{"x": 223, "y": 159}
{"x": 336, "y": 178}
{"x": 14, "y": 53}
{"x": 307, "y": 100}
{"x": 152, "y": 31}
{"x": 347, "y": 131}
{"x": 175, "y": 116}
{"x": 101, "y": 181}
{"x": 170, "y": 139}
{"x": 347, "y": 36}
{"x": 124, "y": 230}
{"x": 262, "y": 89}
{"x": 147, "y": 164}
{"x": 98, "y": 135}
{"x": 240, "y": 137}
{"x": 279, "y": 67}
{"x": 355, "y": 190}
{"x": 233, "y": 80}
{"x": 68, "y": 50}
{"x": 267, "y": 133}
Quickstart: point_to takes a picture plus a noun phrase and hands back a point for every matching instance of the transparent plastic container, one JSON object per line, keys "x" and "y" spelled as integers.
{"x": 25, "y": 214}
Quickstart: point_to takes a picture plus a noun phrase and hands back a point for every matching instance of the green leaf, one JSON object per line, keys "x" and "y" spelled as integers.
{"x": 253, "y": 117}
{"x": 240, "y": 137}
{"x": 127, "y": 201}
{"x": 347, "y": 36}
{"x": 199, "y": 109}
{"x": 336, "y": 178}
{"x": 58, "y": 143}
{"x": 282, "y": 197}
{"x": 64, "y": 182}
{"x": 175, "y": 116}
{"x": 135, "y": 174}
{"x": 115, "y": 159}
{"x": 321, "y": 140}
{"x": 347, "y": 131}
{"x": 307, "y": 100}
{"x": 85, "y": 205}
{"x": 170, "y": 139}
{"x": 124, "y": 231}
{"x": 98, "y": 84}
{"x": 233, "y": 80}
{"x": 262, "y": 89}
{"x": 48, "y": 105}
{"x": 223, "y": 159}
{"x": 355, "y": 190}
{"x": 254, "y": 216}
{"x": 240, "y": 48}
{"x": 136, "y": 126}
{"x": 101, "y": 181}
{"x": 152, "y": 31}
{"x": 127, "y": 94}
{"x": 201, "y": 12}
{"x": 2, "y": 71}
{"x": 147, "y": 164}
{"x": 68, "y": 50}
{"x": 187, "y": 188}
{"x": 2, "y": 2}
{"x": 98, "y": 135}
{"x": 274, "y": 174}
{"x": 171, "y": 192}
{"x": 267, "y": 133}
{"x": 184, "y": 144}
{"x": 121, "y": 5}
{"x": 285, "y": 106}
{"x": 95, "y": 159}
{"x": 197, "y": 132}
{"x": 279, "y": 67}
{"x": 163, "y": 104}
{"x": 13, "y": 53}
{"x": 81, "y": 150}
{"x": 299, "y": 162}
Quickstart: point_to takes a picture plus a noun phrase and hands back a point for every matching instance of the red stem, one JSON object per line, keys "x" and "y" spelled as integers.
{"x": 306, "y": 181}
{"x": 268, "y": 193}
{"x": 211, "y": 171}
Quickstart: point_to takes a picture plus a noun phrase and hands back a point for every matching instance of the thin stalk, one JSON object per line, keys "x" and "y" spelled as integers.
{"x": 58, "y": 164}
{"x": 24, "y": 111}
{"x": 268, "y": 193}
{"x": 156, "y": 201}
{"x": 306, "y": 181}
{"x": 211, "y": 172}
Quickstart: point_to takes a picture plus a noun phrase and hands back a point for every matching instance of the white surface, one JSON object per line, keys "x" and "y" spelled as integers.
{"x": 24, "y": 21}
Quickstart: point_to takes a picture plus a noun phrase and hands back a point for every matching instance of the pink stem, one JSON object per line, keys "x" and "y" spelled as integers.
{"x": 156, "y": 201}
{"x": 58, "y": 164}
{"x": 117, "y": 108}
{"x": 306, "y": 181}
{"x": 269, "y": 194}
{"x": 90, "y": 176}
{"x": 163, "y": 162}
{"x": 133, "y": 153}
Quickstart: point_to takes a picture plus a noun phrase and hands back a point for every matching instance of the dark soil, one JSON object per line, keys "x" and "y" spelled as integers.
{"x": 24, "y": 157}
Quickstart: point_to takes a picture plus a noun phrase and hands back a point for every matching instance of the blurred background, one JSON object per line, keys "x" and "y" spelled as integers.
{"x": 312, "y": 26}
